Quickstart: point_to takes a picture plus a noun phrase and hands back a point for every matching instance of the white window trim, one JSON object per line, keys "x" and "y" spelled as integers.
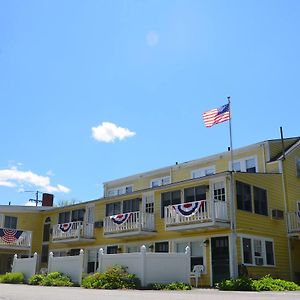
{"x": 202, "y": 171}
{"x": 264, "y": 254}
{"x": 116, "y": 189}
{"x": 1, "y": 220}
{"x": 242, "y": 162}
{"x": 161, "y": 180}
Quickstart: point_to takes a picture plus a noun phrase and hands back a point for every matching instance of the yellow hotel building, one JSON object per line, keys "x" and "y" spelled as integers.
{"x": 241, "y": 220}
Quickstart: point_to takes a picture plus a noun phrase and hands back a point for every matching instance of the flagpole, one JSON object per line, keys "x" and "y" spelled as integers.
{"x": 234, "y": 268}
{"x": 230, "y": 133}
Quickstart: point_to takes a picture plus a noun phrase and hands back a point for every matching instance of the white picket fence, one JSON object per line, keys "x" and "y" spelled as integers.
{"x": 68, "y": 265}
{"x": 150, "y": 267}
{"x": 27, "y": 266}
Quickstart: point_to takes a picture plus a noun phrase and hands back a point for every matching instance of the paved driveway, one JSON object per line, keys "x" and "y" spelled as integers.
{"x": 26, "y": 292}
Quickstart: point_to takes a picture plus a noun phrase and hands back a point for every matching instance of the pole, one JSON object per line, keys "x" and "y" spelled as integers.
{"x": 233, "y": 236}
{"x": 230, "y": 134}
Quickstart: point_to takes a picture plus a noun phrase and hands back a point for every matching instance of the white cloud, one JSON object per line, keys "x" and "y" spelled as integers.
{"x": 152, "y": 38}
{"x": 108, "y": 132}
{"x": 30, "y": 203}
{"x": 16, "y": 178}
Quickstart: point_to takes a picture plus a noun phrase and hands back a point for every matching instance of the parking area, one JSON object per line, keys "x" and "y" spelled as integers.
{"x": 26, "y": 292}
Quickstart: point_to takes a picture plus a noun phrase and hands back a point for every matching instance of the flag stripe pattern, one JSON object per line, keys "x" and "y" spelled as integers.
{"x": 188, "y": 209}
{"x": 9, "y": 236}
{"x": 216, "y": 115}
{"x": 120, "y": 218}
{"x": 65, "y": 227}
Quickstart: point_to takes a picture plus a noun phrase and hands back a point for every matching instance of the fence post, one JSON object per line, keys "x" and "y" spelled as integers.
{"x": 143, "y": 265}
{"x": 50, "y": 262}
{"x": 81, "y": 253}
{"x": 13, "y": 266}
{"x": 35, "y": 256}
{"x": 188, "y": 263}
{"x": 100, "y": 260}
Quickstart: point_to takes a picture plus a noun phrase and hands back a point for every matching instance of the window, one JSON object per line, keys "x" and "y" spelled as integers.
{"x": 46, "y": 231}
{"x": 148, "y": 200}
{"x": 10, "y": 222}
{"x": 260, "y": 201}
{"x": 298, "y": 167}
{"x": 258, "y": 251}
{"x": 247, "y": 251}
{"x": 131, "y": 205}
{"x": 196, "y": 252}
{"x": 203, "y": 172}
{"x": 64, "y": 217}
{"x": 169, "y": 198}
{"x": 160, "y": 181}
{"x": 219, "y": 191}
{"x": 120, "y": 190}
{"x": 113, "y": 208}
{"x": 162, "y": 247}
{"x": 248, "y": 164}
{"x": 77, "y": 215}
{"x": 195, "y": 193}
{"x": 112, "y": 249}
{"x": 243, "y": 194}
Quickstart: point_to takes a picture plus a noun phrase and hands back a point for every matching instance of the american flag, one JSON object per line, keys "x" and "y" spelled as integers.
{"x": 216, "y": 115}
{"x": 9, "y": 236}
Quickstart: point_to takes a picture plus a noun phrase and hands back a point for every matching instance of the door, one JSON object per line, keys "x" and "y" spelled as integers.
{"x": 220, "y": 258}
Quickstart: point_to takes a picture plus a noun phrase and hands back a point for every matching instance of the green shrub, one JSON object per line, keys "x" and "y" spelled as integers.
{"x": 12, "y": 278}
{"x": 36, "y": 279}
{"x": 56, "y": 279}
{"x": 239, "y": 284}
{"x": 115, "y": 277}
{"x": 267, "y": 283}
{"x": 169, "y": 286}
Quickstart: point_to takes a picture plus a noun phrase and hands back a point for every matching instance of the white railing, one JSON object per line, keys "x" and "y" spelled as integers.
{"x": 293, "y": 222}
{"x": 137, "y": 221}
{"x": 73, "y": 230}
{"x": 206, "y": 213}
{"x": 8, "y": 241}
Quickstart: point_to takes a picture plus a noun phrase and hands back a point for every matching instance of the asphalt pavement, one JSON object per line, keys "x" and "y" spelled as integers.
{"x": 27, "y": 292}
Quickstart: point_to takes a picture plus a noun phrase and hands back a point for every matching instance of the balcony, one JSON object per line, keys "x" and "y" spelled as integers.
{"x": 15, "y": 239}
{"x": 293, "y": 223}
{"x": 129, "y": 224}
{"x": 73, "y": 231}
{"x": 202, "y": 214}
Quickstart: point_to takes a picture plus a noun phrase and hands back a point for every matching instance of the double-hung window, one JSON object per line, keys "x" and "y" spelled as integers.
{"x": 10, "y": 222}
{"x": 258, "y": 251}
{"x": 247, "y": 164}
{"x": 169, "y": 198}
{"x": 113, "y": 209}
{"x": 160, "y": 181}
{"x": 260, "y": 201}
{"x": 196, "y": 193}
{"x": 243, "y": 194}
{"x": 203, "y": 172}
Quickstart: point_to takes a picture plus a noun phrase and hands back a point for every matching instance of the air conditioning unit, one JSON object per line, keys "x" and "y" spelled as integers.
{"x": 259, "y": 261}
{"x": 98, "y": 224}
{"x": 277, "y": 214}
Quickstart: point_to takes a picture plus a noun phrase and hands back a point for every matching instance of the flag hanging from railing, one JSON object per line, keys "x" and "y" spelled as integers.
{"x": 120, "y": 218}
{"x": 65, "y": 227}
{"x": 188, "y": 209}
{"x": 10, "y": 235}
{"x": 216, "y": 115}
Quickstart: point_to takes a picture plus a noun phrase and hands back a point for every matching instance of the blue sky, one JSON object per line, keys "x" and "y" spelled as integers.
{"x": 92, "y": 91}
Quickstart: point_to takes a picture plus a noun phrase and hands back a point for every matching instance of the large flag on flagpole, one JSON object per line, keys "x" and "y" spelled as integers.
{"x": 216, "y": 115}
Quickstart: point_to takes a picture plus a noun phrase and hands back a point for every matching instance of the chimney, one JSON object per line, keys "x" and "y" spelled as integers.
{"x": 47, "y": 199}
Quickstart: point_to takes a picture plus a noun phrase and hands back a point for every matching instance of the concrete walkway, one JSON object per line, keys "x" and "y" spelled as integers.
{"x": 26, "y": 292}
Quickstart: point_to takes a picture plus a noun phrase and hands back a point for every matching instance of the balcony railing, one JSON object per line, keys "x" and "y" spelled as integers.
{"x": 73, "y": 231}
{"x": 196, "y": 214}
{"x": 132, "y": 222}
{"x": 293, "y": 222}
{"x": 15, "y": 238}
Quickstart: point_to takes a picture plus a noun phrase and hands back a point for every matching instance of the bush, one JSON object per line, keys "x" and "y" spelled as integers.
{"x": 266, "y": 283}
{"x": 12, "y": 278}
{"x": 56, "y": 279}
{"x": 115, "y": 277}
{"x": 36, "y": 279}
{"x": 169, "y": 286}
{"x": 239, "y": 284}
